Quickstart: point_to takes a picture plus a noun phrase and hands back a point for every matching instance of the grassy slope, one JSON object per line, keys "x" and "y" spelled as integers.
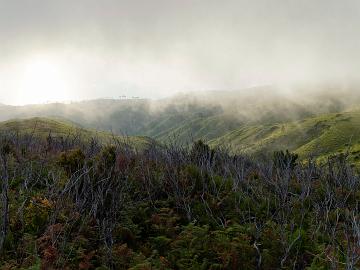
{"x": 44, "y": 126}
{"x": 186, "y": 129}
{"x": 321, "y": 136}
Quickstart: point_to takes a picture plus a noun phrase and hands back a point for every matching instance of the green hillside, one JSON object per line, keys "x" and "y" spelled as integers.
{"x": 310, "y": 120}
{"x": 59, "y": 128}
{"x": 318, "y": 136}
{"x": 199, "y": 115}
{"x": 194, "y": 127}
{"x": 206, "y": 128}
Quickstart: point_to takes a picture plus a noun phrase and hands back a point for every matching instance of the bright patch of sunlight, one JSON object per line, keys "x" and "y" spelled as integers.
{"x": 42, "y": 80}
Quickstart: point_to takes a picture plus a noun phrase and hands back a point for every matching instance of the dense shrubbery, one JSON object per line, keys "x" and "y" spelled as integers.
{"x": 75, "y": 205}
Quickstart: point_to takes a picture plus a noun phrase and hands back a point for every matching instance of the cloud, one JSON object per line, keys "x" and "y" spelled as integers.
{"x": 155, "y": 48}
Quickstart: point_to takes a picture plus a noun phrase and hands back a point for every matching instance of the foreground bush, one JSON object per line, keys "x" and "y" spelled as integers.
{"x": 78, "y": 205}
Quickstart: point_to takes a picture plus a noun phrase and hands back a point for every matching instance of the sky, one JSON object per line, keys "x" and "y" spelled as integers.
{"x": 73, "y": 50}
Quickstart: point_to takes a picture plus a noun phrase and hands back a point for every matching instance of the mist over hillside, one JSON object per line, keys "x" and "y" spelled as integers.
{"x": 265, "y": 104}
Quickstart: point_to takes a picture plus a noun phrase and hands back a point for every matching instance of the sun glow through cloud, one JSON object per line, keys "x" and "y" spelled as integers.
{"x": 42, "y": 79}
{"x": 88, "y": 49}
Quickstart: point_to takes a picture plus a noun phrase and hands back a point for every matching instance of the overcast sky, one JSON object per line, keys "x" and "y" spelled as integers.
{"x": 84, "y": 49}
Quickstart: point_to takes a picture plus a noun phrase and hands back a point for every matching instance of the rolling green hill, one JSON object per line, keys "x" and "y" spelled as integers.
{"x": 202, "y": 128}
{"x": 318, "y": 136}
{"x": 317, "y": 120}
{"x": 60, "y": 128}
{"x": 199, "y": 115}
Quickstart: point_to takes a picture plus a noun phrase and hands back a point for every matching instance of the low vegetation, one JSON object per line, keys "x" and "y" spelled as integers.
{"x": 69, "y": 203}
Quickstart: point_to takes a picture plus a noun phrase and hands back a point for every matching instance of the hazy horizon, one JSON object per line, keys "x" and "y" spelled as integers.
{"x": 66, "y": 50}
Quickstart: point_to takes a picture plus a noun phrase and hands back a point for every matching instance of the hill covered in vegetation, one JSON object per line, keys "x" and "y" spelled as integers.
{"x": 319, "y": 136}
{"x": 79, "y": 205}
{"x": 200, "y": 115}
{"x": 73, "y": 197}
{"x": 47, "y": 128}
{"x": 308, "y": 121}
